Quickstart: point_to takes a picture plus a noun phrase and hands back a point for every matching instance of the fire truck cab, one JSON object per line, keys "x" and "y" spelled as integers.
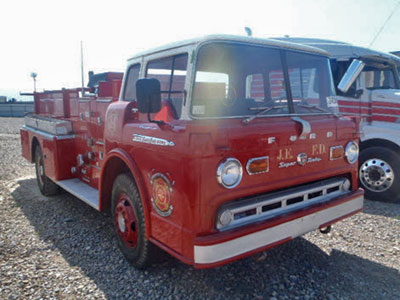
{"x": 216, "y": 148}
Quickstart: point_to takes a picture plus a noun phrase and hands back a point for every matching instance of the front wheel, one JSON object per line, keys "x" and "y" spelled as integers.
{"x": 380, "y": 174}
{"x": 130, "y": 224}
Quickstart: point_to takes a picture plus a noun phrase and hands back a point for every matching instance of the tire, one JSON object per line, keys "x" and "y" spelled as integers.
{"x": 46, "y": 186}
{"x": 379, "y": 174}
{"x": 130, "y": 224}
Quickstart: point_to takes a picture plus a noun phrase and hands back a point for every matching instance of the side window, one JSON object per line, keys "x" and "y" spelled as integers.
{"x": 377, "y": 78}
{"x": 130, "y": 86}
{"x": 212, "y": 85}
{"x": 255, "y": 87}
{"x": 171, "y": 72}
{"x": 278, "y": 85}
{"x": 339, "y": 68}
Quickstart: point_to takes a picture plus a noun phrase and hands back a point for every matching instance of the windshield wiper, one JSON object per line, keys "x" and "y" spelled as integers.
{"x": 321, "y": 109}
{"x": 262, "y": 110}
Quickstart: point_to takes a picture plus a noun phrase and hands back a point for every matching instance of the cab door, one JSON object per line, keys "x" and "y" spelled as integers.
{"x": 156, "y": 147}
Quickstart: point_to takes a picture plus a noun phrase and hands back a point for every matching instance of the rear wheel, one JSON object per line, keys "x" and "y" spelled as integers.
{"x": 46, "y": 186}
{"x": 130, "y": 224}
{"x": 380, "y": 174}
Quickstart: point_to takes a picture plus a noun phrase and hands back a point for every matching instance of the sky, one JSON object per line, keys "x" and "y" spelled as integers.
{"x": 44, "y": 36}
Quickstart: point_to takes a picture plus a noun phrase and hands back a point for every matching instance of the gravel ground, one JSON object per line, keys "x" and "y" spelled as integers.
{"x": 61, "y": 248}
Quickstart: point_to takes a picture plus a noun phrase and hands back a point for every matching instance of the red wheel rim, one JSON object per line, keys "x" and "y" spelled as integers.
{"x": 126, "y": 221}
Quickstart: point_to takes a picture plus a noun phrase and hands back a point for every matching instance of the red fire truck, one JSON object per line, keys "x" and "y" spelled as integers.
{"x": 209, "y": 152}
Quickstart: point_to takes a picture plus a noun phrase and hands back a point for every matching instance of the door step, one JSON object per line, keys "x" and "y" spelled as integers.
{"x": 82, "y": 191}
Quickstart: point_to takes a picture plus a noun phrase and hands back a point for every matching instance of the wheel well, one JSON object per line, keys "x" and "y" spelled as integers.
{"x": 114, "y": 167}
{"x": 35, "y": 143}
{"x": 380, "y": 143}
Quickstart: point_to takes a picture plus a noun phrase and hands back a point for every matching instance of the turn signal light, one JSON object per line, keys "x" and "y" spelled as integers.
{"x": 258, "y": 165}
{"x": 337, "y": 152}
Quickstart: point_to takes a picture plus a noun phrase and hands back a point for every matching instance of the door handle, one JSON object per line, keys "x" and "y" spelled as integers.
{"x": 306, "y": 126}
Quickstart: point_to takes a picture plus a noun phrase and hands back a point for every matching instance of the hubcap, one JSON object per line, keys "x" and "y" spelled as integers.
{"x": 40, "y": 171}
{"x": 126, "y": 221}
{"x": 376, "y": 175}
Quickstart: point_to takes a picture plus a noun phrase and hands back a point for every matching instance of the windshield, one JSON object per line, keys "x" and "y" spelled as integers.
{"x": 243, "y": 80}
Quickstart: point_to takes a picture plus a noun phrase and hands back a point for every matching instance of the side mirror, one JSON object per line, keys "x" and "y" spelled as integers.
{"x": 351, "y": 74}
{"x": 148, "y": 95}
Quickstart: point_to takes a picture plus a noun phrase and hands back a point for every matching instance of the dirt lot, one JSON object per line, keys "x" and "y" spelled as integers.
{"x": 60, "y": 247}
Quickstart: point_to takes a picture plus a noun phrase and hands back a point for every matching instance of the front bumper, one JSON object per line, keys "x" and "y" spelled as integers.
{"x": 224, "y": 247}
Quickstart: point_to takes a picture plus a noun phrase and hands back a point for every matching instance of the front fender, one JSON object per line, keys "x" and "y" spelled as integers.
{"x": 107, "y": 179}
{"x": 381, "y": 131}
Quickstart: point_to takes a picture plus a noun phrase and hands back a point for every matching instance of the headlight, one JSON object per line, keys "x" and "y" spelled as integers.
{"x": 352, "y": 152}
{"x": 229, "y": 173}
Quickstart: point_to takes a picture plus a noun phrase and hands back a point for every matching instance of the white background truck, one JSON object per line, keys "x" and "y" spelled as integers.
{"x": 375, "y": 97}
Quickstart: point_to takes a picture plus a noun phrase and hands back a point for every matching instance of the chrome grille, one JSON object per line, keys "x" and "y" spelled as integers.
{"x": 242, "y": 212}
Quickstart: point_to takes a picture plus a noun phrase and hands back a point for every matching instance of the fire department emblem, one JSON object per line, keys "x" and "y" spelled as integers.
{"x": 302, "y": 159}
{"x": 161, "y": 195}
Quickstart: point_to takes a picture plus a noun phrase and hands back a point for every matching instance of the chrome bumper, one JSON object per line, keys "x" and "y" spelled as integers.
{"x": 211, "y": 253}
{"x": 264, "y": 207}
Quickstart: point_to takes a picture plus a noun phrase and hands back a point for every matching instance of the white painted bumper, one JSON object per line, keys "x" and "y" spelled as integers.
{"x": 223, "y": 251}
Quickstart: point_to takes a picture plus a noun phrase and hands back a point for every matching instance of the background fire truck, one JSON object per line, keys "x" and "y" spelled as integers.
{"x": 375, "y": 97}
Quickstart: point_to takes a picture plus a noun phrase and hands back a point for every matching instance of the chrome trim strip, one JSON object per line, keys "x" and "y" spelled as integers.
{"x": 65, "y": 137}
{"x": 43, "y": 133}
{"x": 222, "y": 251}
{"x": 147, "y": 127}
{"x": 260, "y": 116}
{"x": 104, "y": 100}
{"x": 49, "y": 124}
{"x": 257, "y": 158}
{"x": 84, "y": 100}
{"x": 49, "y": 135}
{"x": 240, "y": 209}
{"x": 151, "y": 140}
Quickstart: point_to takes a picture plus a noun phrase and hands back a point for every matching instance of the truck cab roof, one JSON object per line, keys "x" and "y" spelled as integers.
{"x": 291, "y": 45}
{"x": 342, "y": 50}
